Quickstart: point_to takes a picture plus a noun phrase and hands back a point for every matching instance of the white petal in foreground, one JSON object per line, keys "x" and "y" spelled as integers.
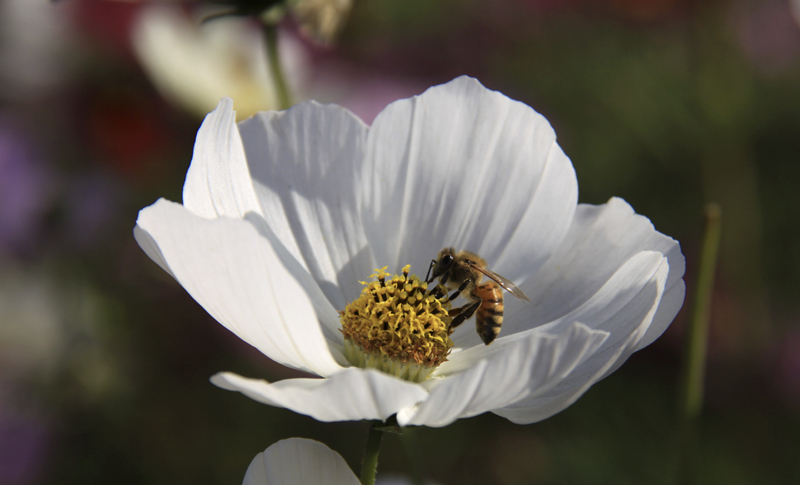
{"x": 625, "y": 308}
{"x": 304, "y": 163}
{"x": 464, "y": 166}
{"x": 233, "y": 272}
{"x": 299, "y": 461}
{"x": 600, "y": 241}
{"x": 218, "y": 183}
{"x": 352, "y": 394}
{"x": 671, "y": 303}
{"x": 481, "y": 381}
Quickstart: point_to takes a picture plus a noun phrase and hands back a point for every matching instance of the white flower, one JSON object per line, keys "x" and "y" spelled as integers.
{"x": 286, "y": 212}
{"x": 321, "y": 19}
{"x": 296, "y": 461}
{"x": 299, "y": 461}
{"x": 193, "y": 65}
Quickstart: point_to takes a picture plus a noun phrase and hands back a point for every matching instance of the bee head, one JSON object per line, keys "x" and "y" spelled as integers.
{"x": 443, "y": 263}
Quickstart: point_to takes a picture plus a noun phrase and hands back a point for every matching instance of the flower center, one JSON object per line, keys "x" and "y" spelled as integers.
{"x": 397, "y": 326}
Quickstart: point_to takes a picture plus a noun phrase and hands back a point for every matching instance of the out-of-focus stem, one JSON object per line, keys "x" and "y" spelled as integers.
{"x": 274, "y": 60}
{"x": 694, "y": 364}
{"x": 694, "y": 351}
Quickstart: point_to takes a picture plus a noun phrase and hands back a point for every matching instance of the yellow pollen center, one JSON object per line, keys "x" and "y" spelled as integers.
{"x": 397, "y": 326}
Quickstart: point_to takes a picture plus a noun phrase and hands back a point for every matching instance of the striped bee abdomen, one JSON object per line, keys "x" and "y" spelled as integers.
{"x": 489, "y": 316}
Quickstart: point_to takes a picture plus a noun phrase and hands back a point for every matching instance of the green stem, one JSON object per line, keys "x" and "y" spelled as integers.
{"x": 369, "y": 466}
{"x": 694, "y": 352}
{"x": 409, "y": 441}
{"x": 694, "y": 364}
{"x": 271, "y": 36}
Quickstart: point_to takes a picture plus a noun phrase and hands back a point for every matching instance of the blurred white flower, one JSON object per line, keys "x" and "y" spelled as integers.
{"x": 299, "y": 461}
{"x": 284, "y": 213}
{"x": 321, "y": 19}
{"x": 194, "y": 64}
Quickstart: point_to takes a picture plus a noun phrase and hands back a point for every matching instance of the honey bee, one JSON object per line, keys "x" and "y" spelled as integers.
{"x": 463, "y": 271}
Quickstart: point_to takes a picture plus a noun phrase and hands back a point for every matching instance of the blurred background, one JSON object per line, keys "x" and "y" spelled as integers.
{"x": 104, "y": 360}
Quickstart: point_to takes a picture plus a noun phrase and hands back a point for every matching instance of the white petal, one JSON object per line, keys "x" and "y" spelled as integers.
{"x": 639, "y": 282}
{"x": 601, "y": 239}
{"x": 625, "y": 307}
{"x": 299, "y": 461}
{"x": 305, "y": 165}
{"x": 218, "y": 184}
{"x": 349, "y": 395}
{"x": 464, "y": 166}
{"x": 540, "y": 407}
{"x": 218, "y": 181}
{"x": 489, "y": 377}
{"x": 328, "y": 317}
{"x": 233, "y": 272}
{"x": 671, "y": 304}
{"x": 150, "y": 247}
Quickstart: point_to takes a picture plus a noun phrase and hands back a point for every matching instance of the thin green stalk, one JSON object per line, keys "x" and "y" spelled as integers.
{"x": 694, "y": 364}
{"x": 271, "y": 37}
{"x": 409, "y": 440}
{"x": 369, "y": 466}
{"x": 694, "y": 352}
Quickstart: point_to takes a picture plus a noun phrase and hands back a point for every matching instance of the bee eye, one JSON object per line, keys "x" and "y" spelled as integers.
{"x": 447, "y": 259}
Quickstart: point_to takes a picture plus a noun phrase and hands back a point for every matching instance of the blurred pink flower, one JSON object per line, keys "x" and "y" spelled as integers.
{"x": 26, "y": 184}
{"x": 365, "y": 94}
{"x": 787, "y": 372}
{"x": 768, "y": 35}
{"x": 24, "y": 441}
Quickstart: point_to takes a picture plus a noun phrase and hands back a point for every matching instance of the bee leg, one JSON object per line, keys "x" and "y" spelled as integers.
{"x": 463, "y": 313}
{"x": 459, "y": 290}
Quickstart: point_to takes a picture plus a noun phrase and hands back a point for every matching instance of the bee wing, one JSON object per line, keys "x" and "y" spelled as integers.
{"x": 504, "y": 282}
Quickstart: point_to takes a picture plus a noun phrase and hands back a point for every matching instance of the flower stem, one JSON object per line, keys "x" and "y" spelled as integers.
{"x": 409, "y": 440}
{"x": 369, "y": 466}
{"x": 694, "y": 355}
{"x": 271, "y": 37}
{"x": 694, "y": 364}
